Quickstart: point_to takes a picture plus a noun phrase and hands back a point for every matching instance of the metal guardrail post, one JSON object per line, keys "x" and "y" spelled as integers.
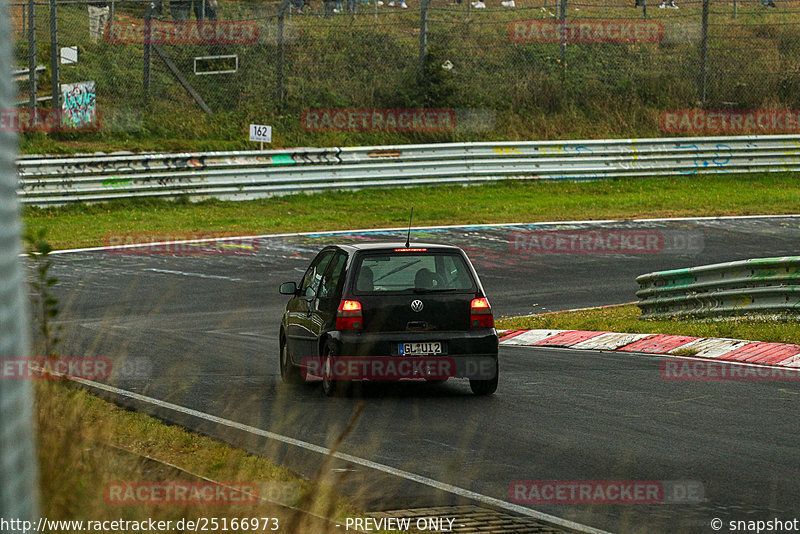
{"x": 55, "y": 57}
{"x": 703, "y": 76}
{"x": 33, "y": 55}
{"x": 18, "y": 471}
{"x": 423, "y": 38}
{"x": 148, "y": 45}
{"x": 281, "y": 44}
{"x": 563, "y": 35}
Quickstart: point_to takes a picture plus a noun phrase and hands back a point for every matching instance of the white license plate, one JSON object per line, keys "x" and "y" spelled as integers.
{"x": 422, "y": 348}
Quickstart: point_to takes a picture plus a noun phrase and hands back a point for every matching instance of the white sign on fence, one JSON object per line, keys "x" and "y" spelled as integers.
{"x": 261, "y": 133}
{"x": 69, "y": 54}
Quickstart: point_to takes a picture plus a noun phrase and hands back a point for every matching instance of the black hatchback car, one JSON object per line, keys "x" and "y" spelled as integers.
{"x": 387, "y": 311}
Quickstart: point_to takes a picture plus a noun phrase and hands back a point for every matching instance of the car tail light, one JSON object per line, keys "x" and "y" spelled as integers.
{"x": 349, "y": 316}
{"x": 480, "y": 314}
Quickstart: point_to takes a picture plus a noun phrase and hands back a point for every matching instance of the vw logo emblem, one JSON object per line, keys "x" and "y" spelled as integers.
{"x": 416, "y": 305}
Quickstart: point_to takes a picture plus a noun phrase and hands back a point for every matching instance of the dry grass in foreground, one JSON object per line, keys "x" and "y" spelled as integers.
{"x": 86, "y": 446}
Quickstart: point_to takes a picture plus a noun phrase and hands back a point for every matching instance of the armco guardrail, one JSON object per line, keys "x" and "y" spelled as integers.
{"x": 764, "y": 285}
{"x": 252, "y": 174}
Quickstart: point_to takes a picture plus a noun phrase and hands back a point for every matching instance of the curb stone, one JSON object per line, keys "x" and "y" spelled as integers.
{"x": 733, "y": 350}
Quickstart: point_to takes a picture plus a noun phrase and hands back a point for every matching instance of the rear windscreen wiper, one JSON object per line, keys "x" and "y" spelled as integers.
{"x": 396, "y": 269}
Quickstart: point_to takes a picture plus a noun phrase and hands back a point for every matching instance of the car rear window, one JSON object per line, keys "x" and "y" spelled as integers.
{"x": 412, "y": 273}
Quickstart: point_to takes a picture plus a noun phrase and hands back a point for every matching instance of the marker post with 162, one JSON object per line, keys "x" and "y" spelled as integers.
{"x": 260, "y": 133}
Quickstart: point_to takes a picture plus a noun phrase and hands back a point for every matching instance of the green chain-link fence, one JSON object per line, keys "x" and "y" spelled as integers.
{"x": 511, "y": 68}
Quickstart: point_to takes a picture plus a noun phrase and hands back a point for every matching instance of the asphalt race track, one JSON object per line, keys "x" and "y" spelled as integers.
{"x": 201, "y": 331}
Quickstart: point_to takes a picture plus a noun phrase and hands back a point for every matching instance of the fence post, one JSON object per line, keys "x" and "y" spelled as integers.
{"x": 736, "y": 9}
{"x": 563, "y": 34}
{"x": 18, "y": 465}
{"x": 644, "y": 9}
{"x": 55, "y": 56}
{"x": 703, "y": 77}
{"x": 423, "y": 37}
{"x": 281, "y": 52}
{"x": 32, "y": 58}
{"x": 148, "y": 15}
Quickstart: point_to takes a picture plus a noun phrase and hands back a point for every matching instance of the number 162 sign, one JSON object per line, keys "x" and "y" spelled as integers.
{"x": 261, "y": 133}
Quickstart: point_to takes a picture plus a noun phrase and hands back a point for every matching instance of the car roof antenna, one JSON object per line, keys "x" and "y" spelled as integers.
{"x": 408, "y": 236}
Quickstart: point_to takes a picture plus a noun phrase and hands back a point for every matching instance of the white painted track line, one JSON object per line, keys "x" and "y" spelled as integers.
{"x": 442, "y": 486}
{"x": 416, "y": 228}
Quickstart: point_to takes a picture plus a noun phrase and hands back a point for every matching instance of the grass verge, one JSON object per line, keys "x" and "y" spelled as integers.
{"x": 625, "y": 318}
{"x": 510, "y": 201}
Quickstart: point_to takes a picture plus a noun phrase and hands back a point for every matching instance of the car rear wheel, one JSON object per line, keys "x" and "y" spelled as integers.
{"x": 485, "y": 387}
{"x": 331, "y": 387}
{"x": 290, "y": 373}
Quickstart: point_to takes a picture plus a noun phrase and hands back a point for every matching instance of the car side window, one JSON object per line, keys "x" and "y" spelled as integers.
{"x": 311, "y": 281}
{"x": 333, "y": 274}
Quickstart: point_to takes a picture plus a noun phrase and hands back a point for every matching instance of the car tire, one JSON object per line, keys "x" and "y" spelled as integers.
{"x": 332, "y": 388}
{"x": 486, "y": 387}
{"x": 290, "y": 373}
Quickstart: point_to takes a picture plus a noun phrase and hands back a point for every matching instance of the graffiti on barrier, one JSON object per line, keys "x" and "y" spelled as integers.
{"x": 506, "y": 150}
{"x": 791, "y": 157}
{"x": 722, "y": 155}
{"x": 79, "y": 104}
{"x": 116, "y": 182}
{"x": 113, "y": 167}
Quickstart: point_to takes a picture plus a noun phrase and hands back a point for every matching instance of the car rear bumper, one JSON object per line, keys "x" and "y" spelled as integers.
{"x": 479, "y": 341}
{"x": 469, "y": 354}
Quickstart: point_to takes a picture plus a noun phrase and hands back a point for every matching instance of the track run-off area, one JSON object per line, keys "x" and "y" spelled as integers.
{"x": 200, "y": 332}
